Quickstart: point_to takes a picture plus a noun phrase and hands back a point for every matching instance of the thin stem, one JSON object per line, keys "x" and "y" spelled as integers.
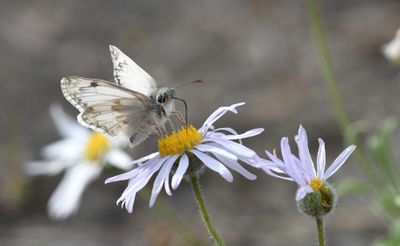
{"x": 335, "y": 97}
{"x": 173, "y": 220}
{"x": 203, "y": 211}
{"x": 326, "y": 64}
{"x": 320, "y": 229}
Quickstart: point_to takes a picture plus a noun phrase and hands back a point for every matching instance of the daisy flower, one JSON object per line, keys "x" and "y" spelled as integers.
{"x": 82, "y": 154}
{"x": 391, "y": 50}
{"x": 186, "y": 152}
{"x": 302, "y": 169}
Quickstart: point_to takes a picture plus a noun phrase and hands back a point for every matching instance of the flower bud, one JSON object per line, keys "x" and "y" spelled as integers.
{"x": 196, "y": 166}
{"x": 319, "y": 202}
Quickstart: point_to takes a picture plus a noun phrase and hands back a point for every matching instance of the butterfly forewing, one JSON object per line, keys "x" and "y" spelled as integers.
{"x": 129, "y": 75}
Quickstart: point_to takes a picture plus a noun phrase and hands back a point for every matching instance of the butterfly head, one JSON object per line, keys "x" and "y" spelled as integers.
{"x": 164, "y": 95}
{"x": 163, "y": 100}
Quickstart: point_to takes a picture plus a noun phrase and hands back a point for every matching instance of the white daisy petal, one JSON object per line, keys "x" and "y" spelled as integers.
{"x": 128, "y": 196}
{"x": 118, "y": 141}
{"x": 157, "y": 186}
{"x": 45, "y": 167}
{"x": 277, "y": 167}
{"x": 214, "y": 165}
{"x": 144, "y": 159}
{"x": 232, "y": 147}
{"x": 66, "y": 149}
{"x": 321, "y": 158}
{"x": 304, "y": 153}
{"x": 306, "y": 175}
{"x": 130, "y": 201}
{"x": 292, "y": 168}
{"x": 161, "y": 178}
{"x": 251, "y": 160}
{"x": 273, "y": 173}
{"x": 132, "y": 174}
{"x": 140, "y": 181}
{"x": 180, "y": 171}
{"x": 66, "y": 126}
{"x": 227, "y": 129}
{"x": 214, "y": 150}
{"x": 248, "y": 134}
{"x": 170, "y": 164}
{"x": 275, "y": 159}
{"x": 124, "y": 176}
{"x": 234, "y": 165}
{"x": 339, "y": 161}
{"x": 218, "y": 114}
{"x": 118, "y": 159}
{"x": 66, "y": 198}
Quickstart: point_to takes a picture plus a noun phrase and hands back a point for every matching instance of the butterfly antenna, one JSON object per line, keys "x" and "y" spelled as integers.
{"x": 189, "y": 83}
{"x": 186, "y": 110}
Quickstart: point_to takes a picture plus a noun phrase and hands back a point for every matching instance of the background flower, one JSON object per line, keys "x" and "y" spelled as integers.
{"x": 302, "y": 170}
{"x": 391, "y": 50}
{"x": 82, "y": 154}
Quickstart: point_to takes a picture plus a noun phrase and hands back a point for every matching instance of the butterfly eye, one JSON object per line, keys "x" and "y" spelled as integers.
{"x": 161, "y": 99}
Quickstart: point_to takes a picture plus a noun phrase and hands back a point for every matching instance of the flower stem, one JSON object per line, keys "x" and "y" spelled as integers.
{"x": 319, "y": 39}
{"x": 203, "y": 211}
{"x": 320, "y": 229}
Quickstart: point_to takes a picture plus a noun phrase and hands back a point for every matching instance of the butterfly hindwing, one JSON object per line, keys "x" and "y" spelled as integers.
{"x": 107, "y": 107}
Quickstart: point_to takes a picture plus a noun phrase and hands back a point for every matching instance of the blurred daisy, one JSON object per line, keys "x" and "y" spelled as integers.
{"x": 302, "y": 169}
{"x": 82, "y": 154}
{"x": 391, "y": 50}
{"x": 190, "y": 149}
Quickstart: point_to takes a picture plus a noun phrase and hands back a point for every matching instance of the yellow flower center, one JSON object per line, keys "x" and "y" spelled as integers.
{"x": 178, "y": 142}
{"x": 316, "y": 184}
{"x": 96, "y": 146}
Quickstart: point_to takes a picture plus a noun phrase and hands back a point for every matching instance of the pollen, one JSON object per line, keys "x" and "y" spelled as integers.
{"x": 96, "y": 146}
{"x": 316, "y": 184}
{"x": 178, "y": 142}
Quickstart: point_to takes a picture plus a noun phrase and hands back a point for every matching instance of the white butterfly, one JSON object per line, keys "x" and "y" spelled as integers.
{"x": 133, "y": 105}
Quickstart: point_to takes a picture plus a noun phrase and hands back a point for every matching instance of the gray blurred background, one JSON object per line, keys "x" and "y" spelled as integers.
{"x": 255, "y": 51}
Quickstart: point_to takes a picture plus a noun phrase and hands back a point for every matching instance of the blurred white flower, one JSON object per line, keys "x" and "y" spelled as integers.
{"x": 82, "y": 154}
{"x": 391, "y": 50}
{"x": 212, "y": 148}
{"x": 301, "y": 169}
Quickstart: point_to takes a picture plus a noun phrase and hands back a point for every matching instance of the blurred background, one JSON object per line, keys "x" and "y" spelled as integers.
{"x": 255, "y": 51}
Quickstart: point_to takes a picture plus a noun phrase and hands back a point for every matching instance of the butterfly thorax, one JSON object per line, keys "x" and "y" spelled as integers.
{"x": 162, "y": 99}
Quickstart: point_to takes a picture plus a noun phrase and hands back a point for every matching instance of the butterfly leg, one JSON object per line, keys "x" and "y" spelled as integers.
{"x": 159, "y": 130}
{"x": 171, "y": 124}
{"x": 179, "y": 116}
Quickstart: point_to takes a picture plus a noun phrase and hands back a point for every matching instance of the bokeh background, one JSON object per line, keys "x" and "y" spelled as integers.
{"x": 255, "y": 51}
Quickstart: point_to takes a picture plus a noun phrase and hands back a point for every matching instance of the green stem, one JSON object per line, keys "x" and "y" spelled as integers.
{"x": 173, "y": 220}
{"x": 320, "y": 229}
{"x": 326, "y": 65}
{"x": 321, "y": 46}
{"x": 203, "y": 211}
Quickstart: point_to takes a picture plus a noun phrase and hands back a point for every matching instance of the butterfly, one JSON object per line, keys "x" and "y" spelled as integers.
{"x": 133, "y": 105}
